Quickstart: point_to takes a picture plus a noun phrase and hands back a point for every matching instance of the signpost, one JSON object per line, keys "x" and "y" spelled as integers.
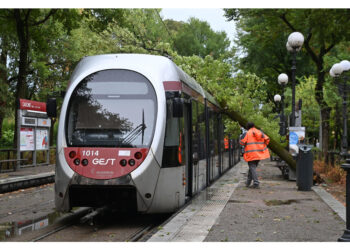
{"x": 296, "y": 135}
{"x": 33, "y": 130}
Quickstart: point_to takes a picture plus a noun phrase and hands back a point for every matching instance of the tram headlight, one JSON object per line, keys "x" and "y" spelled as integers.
{"x": 77, "y": 161}
{"x": 132, "y": 162}
{"x": 72, "y": 154}
{"x": 123, "y": 162}
{"x": 85, "y": 162}
{"x": 138, "y": 155}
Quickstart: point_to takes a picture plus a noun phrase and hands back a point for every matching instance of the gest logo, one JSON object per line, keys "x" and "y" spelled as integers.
{"x": 103, "y": 161}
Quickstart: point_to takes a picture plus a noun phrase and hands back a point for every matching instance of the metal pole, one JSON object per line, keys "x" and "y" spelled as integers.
{"x": 292, "y": 122}
{"x": 346, "y": 166}
{"x": 345, "y": 122}
{"x": 18, "y": 131}
{"x": 283, "y": 132}
{"x": 346, "y": 235}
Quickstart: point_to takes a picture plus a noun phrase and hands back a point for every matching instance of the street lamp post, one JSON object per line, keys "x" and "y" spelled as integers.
{"x": 294, "y": 44}
{"x": 343, "y": 88}
{"x": 282, "y": 80}
{"x": 277, "y": 98}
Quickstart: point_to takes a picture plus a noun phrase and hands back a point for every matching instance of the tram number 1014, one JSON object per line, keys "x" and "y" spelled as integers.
{"x": 90, "y": 152}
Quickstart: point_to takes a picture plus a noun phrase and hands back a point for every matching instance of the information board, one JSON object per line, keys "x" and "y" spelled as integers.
{"x": 42, "y": 136}
{"x": 27, "y": 139}
{"x": 296, "y": 136}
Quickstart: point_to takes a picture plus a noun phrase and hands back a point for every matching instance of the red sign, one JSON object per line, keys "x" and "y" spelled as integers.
{"x": 104, "y": 163}
{"x": 172, "y": 86}
{"x": 32, "y": 105}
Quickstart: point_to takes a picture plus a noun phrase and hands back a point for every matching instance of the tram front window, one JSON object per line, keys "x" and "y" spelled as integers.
{"x": 112, "y": 108}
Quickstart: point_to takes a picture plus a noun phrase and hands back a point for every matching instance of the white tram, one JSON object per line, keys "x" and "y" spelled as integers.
{"x": 137, "y": 133}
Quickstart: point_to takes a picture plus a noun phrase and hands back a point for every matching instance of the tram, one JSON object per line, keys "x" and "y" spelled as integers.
{"x": 137, "y": 133}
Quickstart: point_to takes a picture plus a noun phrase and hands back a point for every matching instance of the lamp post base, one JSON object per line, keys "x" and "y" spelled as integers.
{"x": 345, "y": 237}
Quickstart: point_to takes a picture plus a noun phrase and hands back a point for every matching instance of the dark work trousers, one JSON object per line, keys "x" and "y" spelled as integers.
{"x": 252, "y": 175}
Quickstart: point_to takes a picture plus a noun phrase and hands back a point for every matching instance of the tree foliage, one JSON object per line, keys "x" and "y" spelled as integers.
{"x": 65, "y": 36}
{"x": 196, "y": 37}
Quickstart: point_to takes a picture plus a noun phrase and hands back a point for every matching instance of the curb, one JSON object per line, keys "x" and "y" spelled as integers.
{"x": 334, "y": 204}
{"x": 13, "y": 184}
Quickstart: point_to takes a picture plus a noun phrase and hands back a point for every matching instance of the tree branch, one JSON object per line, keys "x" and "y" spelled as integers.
{"x": 329, "y": 48}
{"x": 283, "y": 17}
{"x": 27, "y": 16}
{"x": 45, "y": 18}
{"x": 314, "y": 57}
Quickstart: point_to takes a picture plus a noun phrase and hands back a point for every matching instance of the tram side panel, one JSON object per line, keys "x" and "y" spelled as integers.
{"x": 170, "y": 190}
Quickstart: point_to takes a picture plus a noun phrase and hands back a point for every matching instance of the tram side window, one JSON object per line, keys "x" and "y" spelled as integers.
{"x": 172, "y": 140}
{"x": 198, "y": 130}
{"x": 201, "y": 131}
{"x": 214, "y": 137}
{"x": 223, "y": 135}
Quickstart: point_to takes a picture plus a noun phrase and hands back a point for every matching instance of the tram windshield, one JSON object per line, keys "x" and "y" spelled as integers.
{"x": 112, "y": 108}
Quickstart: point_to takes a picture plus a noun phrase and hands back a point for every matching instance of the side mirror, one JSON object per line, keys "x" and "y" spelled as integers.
{"x": 178, "y": 107}
{"x": 51, "y": 107}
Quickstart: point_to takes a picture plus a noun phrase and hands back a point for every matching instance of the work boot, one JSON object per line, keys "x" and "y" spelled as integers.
{"x": 247, "y": 184}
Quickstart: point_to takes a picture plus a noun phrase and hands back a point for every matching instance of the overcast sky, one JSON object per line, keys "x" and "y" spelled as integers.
{"x": 214, "y": 16}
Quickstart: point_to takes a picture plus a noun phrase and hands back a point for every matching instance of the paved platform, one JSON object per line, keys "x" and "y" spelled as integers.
{"x": 230, "y": 212}
{"x": 26, "y": 177}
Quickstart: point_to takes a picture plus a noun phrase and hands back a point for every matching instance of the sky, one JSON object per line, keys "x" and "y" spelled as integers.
{"x": 214, "y": 16}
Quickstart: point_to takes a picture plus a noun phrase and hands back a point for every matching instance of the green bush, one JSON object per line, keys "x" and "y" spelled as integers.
{"x": 6, "y": 140}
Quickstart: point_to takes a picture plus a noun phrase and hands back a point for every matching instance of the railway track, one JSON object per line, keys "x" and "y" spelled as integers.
{"x": 89, "y": 222}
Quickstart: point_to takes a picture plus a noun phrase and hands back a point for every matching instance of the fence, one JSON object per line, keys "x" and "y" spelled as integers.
{"x": 8, "y": 158}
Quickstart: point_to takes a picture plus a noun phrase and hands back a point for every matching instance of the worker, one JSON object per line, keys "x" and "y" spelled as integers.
{"x": 255, "y": 149}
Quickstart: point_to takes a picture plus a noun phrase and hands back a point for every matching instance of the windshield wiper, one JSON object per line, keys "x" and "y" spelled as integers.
{"x": 140, "y": 129}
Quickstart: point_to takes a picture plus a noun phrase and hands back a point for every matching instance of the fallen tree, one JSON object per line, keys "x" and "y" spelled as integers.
{"x": 273, "y": 145}
{"x": 215, "y": 76}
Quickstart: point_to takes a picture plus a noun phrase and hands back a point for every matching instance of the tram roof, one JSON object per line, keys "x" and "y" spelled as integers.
{"x": 193, "y": 84}
{"x": 141, "y": 59}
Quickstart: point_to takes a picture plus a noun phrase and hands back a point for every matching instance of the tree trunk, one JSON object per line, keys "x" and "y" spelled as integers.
{"x": 325, "y": 110}
{"x": 325, "y": 116}
{"x": 23, "y": 38}
{"x": 1, "y": 120}
{"x": 3, "y": 81}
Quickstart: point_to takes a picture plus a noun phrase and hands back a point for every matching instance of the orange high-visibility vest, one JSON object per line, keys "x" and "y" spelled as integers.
{"x": 255, "y": 145}
{"x": 226, "y": 143}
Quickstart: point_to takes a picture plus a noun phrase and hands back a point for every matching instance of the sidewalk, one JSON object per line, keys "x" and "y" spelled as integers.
{"x": 228, "y": 211}
{"x": 26, "y": 177}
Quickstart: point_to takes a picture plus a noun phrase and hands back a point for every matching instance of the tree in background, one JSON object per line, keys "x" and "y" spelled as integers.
{"x": 196, "y": 37}
{"x": 54, "y": 53}
{"x": 323, "y": 29}
{"x": 27, "y": 47}
{"x": 35, "y": 58}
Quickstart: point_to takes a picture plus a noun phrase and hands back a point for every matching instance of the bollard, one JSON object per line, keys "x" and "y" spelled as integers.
{"x": 346, "y": 235}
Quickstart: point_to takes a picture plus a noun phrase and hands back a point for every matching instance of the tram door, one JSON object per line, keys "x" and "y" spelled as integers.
{"x": 188, "y": 142}
{"x": 197, "y": 147}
